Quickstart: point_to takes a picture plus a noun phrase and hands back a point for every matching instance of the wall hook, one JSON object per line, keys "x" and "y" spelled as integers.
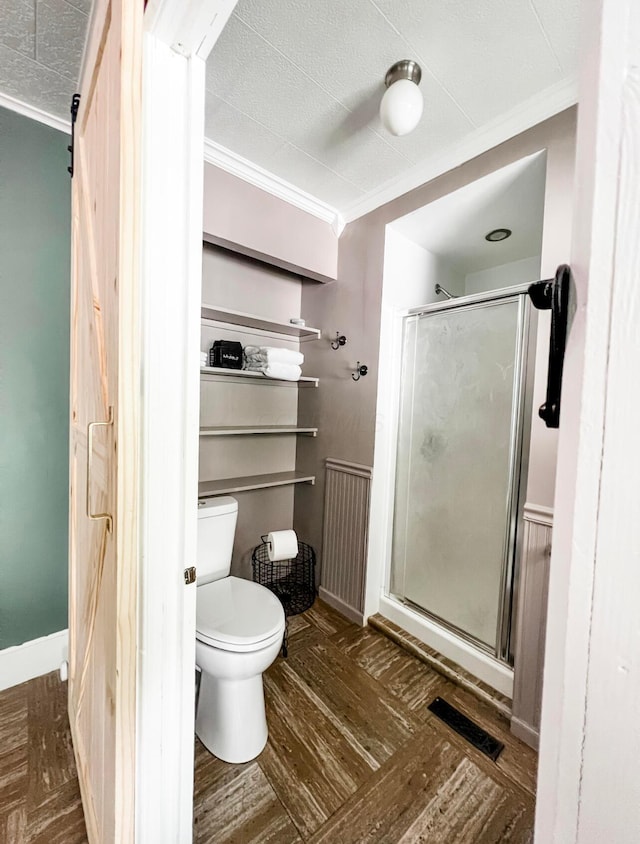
{"x": 339, "y": 341}
{"x": 361, "y": 370}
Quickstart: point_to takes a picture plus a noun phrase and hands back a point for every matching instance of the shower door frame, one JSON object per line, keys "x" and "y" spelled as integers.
{"x": 518, "y": 462}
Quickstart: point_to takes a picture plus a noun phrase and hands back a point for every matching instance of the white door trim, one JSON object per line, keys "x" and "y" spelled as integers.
{"x": 173, "y": 97}
{"x": 589, "y": 774}
{"x": 172, "y": 188}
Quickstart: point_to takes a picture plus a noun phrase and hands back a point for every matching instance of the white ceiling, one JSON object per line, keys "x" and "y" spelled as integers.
{"x": 294, "y": 86}
{"x": 41, "y": 43}
{"x": 454, "y": 227}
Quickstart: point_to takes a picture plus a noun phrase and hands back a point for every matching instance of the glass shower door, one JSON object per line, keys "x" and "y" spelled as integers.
{"x": 457, "y": 465}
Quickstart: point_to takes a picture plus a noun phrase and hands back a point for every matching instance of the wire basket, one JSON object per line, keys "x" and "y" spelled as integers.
{"x": 293, "y": 581}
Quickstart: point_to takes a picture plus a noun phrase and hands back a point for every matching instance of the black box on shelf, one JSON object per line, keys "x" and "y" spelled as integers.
{"x": 226, "y": 354}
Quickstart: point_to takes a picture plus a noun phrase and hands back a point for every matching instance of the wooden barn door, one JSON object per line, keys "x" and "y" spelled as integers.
{"x": 104, "y": 443}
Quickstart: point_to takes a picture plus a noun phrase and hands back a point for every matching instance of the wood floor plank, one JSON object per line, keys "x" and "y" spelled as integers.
{"x": 326, "y": 619}
{"x": 430, "y": 792}
{"x": 312, "y": 763}
{"x": 59, "y": 818}
{"x": 304, "y": 638}
{"x": 237, "y": 805}
{"x": 14, "y": 779}
{"x": 296, "y": 624}
{"x": 416, "y": 684}
{"x": 51, "y": 758}
{"x": 13, "y": 718}
{"x": 406, "y": 677}
{"x": 353, "y": 755}
{"x": 517, "y": 760}
{"x": 445, "y": 666}
{"x": 372, "y": 717}
{"x": 14, "y": 738}
{"x": 13, "y": 826}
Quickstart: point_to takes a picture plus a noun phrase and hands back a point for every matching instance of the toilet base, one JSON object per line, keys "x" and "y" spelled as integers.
{"x": 231, "y": 721}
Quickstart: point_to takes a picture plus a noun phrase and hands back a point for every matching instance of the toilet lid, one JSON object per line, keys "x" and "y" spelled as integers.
{"x": 237, "y": 612}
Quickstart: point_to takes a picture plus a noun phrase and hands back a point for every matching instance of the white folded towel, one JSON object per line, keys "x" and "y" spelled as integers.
{"x": 283, "y": 371}
{"x": 271, "y": 354}
{"x": 203, "y": 358}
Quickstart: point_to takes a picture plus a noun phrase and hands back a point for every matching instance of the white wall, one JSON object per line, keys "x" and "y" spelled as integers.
{"x": 505, "y": 275}
{"x": 254, "y": 222}
{"x": 556, "y": 244}
{"x": 412, "y": 272}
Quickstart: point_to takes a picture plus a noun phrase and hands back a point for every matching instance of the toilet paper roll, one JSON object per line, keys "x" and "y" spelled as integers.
{"x": 282, "y": 545}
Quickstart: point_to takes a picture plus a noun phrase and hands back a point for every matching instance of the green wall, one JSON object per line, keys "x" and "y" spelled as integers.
{"x": 34, "y": 378}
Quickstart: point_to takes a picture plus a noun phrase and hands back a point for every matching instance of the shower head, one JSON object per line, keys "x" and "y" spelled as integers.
{"x": 440, "y": 289}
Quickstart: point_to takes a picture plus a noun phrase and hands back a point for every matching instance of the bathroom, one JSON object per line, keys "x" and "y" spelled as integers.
{"x": 347, "y": 440}
{"x": 402, "y": 700}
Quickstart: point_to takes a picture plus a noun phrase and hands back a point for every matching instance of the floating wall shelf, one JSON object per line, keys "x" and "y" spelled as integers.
{"x": 299, "y": 332}
{"x": 236, "y": 430}
{"x": 227, "y": 486}
{"x": 215, "y": 372}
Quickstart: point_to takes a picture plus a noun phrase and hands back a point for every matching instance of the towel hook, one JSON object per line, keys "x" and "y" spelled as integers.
{"x": 339, "y": 341}
{"x": 361, "y": 370}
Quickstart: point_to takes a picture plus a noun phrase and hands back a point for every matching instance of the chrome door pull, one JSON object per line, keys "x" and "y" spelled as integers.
{"x": 90, "y": 514}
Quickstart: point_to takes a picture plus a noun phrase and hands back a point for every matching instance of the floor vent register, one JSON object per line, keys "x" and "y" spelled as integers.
{"x": 467, "y": 728}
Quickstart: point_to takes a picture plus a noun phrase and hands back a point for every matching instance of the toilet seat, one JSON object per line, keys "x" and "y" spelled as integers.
{"x": 234, "y": 614}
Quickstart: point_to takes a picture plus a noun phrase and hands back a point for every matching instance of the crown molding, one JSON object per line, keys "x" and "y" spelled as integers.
{"x": 541, "y": 107}
{"x": 26, "y": 110}
{"x": 255, "y": 175}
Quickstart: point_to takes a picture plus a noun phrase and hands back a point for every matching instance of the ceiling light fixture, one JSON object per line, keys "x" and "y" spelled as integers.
{"x": 402, "y": 103}
{"x": 497, "y": 235}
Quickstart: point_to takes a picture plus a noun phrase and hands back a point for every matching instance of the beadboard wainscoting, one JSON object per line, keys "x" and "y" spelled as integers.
{"x": 531, "y": 623}
{"x": 345, "y": 536}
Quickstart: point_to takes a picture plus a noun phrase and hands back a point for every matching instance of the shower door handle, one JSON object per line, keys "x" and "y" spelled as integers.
{"x": 553, "y": 294}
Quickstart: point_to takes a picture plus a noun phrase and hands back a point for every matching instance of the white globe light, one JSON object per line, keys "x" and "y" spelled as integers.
{"x": 401, "y": 107}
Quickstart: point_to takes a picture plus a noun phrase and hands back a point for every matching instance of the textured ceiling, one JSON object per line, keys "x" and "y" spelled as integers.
{"x": 41, "y": 43}
{"x": 454, "y": 227}
{"x": 295, "y": 86}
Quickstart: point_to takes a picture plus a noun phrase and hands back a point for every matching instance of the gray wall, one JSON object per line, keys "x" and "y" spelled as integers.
{"x": 234, "y": 282}
{"x": 254, "y": 222}
{"x": 345, "y": 411}
{"x": 34, "y": 377}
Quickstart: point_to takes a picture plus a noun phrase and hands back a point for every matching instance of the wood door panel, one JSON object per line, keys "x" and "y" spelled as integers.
{"x": 104, "y": 353}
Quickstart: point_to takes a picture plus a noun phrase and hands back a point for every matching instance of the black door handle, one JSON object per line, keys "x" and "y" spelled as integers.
{"x": 553, "y": 294}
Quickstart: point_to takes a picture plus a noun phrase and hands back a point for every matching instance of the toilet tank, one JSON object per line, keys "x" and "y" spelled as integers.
{"x": 216, "y": 528}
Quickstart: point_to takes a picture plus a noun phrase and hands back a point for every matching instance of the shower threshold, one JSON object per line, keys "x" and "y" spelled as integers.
{"x": 476, "y": 664}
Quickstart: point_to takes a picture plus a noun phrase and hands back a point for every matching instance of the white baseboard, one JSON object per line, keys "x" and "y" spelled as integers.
{"x": 39, "y": 656}
{"x": 338, "y": 604}
{"x": 525, "y": 733}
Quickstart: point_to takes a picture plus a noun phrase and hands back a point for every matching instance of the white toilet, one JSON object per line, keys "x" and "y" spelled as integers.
{"x": 239, "y": 630}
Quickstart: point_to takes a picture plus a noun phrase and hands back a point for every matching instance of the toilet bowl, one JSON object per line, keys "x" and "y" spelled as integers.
{"x": 239, "y": 630}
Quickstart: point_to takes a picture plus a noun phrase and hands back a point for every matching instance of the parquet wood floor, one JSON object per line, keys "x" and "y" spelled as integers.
{"x": 353, "y": 756}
